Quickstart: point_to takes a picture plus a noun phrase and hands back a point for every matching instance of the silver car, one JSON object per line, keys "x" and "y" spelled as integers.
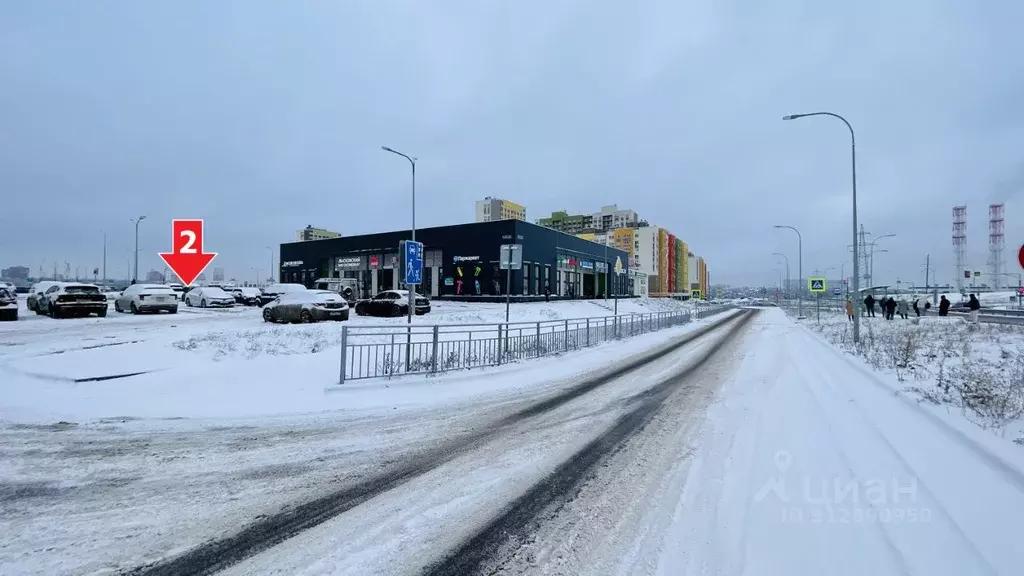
{"x": 209, "y": 297}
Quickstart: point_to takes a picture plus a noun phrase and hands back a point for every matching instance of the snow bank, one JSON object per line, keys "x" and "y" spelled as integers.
{"x": 978, "y": 370}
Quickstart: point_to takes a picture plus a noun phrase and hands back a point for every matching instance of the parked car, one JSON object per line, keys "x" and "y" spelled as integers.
{"x": 147, "y": 298}
{"x": 65, "y": 299}
{"x": 391, "y": 303}
{"x": 245, "y": 296}
{"x": 209, "y": 297}
{"x": 8, "y": 304}
{"x": 179, "y": 290}
{"x": 271, "y": 292}
{"x": 306, "y": 306}
{"x": 347, "y": 287}
{"x": 36, "y": 293}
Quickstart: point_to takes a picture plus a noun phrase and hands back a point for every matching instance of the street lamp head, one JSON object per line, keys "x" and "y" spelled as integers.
{"x": 792, "y": 116}
{"x": 386, "y": 149}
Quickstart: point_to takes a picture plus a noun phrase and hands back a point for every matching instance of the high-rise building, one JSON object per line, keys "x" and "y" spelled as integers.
{"x": 568, "y": 223}
{"x": 218, "y": 274}
{"x": 310, "y": 233}
{"x": 645, "y": 255}
{"x": 491, "y": 209}
{"x": 662, "y": 287}
{"x": 15, "y": 273}
{"x": 610, "y": 217}
{"x": 154, "y": 277}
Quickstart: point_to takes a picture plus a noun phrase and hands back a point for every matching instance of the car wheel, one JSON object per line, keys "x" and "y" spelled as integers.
{"x": 117, "y": 307}
{"x": 135, "y": 309}
{"x": 344, "y": 315}
{"x": 305, "y": 317}
{"x": 267, "y": 316}
{"x": 52, "y": 311}
{"x": 102, "y": 313}
{"x": 360, "y": 311}
{"x": 202, "y": 303}
{"x": 396, "y": 310}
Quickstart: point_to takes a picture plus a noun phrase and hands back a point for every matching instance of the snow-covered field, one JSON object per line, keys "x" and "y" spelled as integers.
{"x": 757, "y": 448}
{"x": 966, "y": 372}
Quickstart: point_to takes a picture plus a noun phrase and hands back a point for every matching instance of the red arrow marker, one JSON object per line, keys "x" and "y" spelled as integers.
{"x": 187, "y": 260}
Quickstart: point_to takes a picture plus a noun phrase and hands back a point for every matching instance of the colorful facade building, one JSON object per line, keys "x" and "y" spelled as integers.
{"x": 662, "y": 261}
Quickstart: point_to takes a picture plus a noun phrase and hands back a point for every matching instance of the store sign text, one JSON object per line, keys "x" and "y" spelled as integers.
{"x": 457, "y": 259}
{"x": 291, "y": 263}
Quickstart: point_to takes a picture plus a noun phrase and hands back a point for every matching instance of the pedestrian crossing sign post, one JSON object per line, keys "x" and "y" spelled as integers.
{"x": 695, "y": 294}
{"x": 816, "y": 285}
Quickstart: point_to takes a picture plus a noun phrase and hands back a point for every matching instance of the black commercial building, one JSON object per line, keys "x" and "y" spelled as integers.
{"x": 462, "y": 261}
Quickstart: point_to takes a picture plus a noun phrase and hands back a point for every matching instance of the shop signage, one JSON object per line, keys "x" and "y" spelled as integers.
{"x": 349, "y": 263}
{"x": 391, "y": 261}
{"x": 509, "y": 236}
{"x": 601, "y": 267}
{"x": 374, "y": 262}
{"x": 586, "y": 264}
{"x": 457, "y": 259}
{"x": 291, "y": 264}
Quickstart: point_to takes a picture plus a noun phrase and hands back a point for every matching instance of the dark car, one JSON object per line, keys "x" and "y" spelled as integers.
{"x": 70, "y": 299}
{"x": 8, "y": 304}
{"x": 391, "y": 303}
{"x": 306, "y": 306}
{"x": 245, "y": 296}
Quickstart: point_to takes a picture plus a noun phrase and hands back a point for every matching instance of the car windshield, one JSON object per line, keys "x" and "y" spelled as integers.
{"x": 79, "y": 289}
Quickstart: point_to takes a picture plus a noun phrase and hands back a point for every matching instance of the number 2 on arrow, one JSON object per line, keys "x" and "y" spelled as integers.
{"x": 187, "y": 248}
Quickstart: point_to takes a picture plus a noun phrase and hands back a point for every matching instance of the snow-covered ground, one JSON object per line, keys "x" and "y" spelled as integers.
{"x": 772, "y": 452}
{"x": 203, "y": 362}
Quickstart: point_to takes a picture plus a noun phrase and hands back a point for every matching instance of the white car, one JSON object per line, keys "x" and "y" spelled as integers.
{"x": 147, "y": 298}
{"x": 209, "y": 297}
{"x": 35, "y": 294}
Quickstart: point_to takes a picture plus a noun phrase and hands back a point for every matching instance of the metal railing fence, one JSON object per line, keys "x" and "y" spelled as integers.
{"x": 388, "y": 351}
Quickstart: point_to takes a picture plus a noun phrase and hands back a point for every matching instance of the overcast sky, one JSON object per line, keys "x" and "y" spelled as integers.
{"x": 265, "y": 116}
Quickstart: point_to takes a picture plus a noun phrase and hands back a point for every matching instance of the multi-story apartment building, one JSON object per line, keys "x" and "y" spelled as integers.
{"x": 568, "y": 223}
{"x": 310, "y": 233}
{"x": 610, "y": 217}
{"x": 491, "y": 209}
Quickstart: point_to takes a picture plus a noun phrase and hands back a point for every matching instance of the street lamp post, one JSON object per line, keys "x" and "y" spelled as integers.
{"x": 871, "y": 257}
{"x": 800, "y": 270}
{"x": 412, "y": 161}
{"x": 138, "y": 220}
{"x": 271, "y": 272}
{"x": 853, "y": 163}
{"x": 786, "y": 289}
{"x": 104, "y": 258}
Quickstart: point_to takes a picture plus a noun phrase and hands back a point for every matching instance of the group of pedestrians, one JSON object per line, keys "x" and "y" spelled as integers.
{"x": 890, "y": 307}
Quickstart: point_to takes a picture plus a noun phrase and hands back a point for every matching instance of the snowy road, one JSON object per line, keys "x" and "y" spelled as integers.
{"x": 755, "y": 449}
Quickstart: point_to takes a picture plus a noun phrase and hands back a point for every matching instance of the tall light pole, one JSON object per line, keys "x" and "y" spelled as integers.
{"x": 786, "y": 290}
{"x": 853, "y": 163}
{"x": 871, "y": 257}
{"x": 800, "y": 270}
{"x": 137, "y": 221}
{"x": 271, "y": 250}
{"x": 104, "y": 258}
{"x": 872, "y": 261}
{"x": 412, "y": 161}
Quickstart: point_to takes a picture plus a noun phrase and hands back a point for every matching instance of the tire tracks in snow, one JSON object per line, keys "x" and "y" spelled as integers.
{"x": 515, "y": 523}
{"x": 264, "y": 533}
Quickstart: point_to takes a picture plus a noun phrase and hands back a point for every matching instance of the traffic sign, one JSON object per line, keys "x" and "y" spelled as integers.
{"x": 412, "y": 258}
{"x": 695, "y": 294}
{"x": 187, "y": 259}
{"x": 837, "y": 291}
{"x": 816, "y": 285}
{"x": 618, "y": 265}
{"x": 511, "y": 257}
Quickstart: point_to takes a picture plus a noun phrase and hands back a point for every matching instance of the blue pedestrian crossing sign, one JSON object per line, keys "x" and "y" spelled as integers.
{"x": 816, "y": 285}
{"x": 412, "y": 258}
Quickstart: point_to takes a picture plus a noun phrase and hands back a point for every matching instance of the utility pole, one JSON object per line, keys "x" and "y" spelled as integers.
{"x": 104, "y": 258}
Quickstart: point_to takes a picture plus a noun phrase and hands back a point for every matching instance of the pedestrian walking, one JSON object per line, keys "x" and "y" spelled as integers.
{"x": 849, "y": 309}
{"x": 944, "y": 306}
{"x": 869, "y": 305}
{"x": 547, "y": 292}
{"x": 890, "y": 308}
{"x": 902, "y": 308}
{"x": 974, "y": 305}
